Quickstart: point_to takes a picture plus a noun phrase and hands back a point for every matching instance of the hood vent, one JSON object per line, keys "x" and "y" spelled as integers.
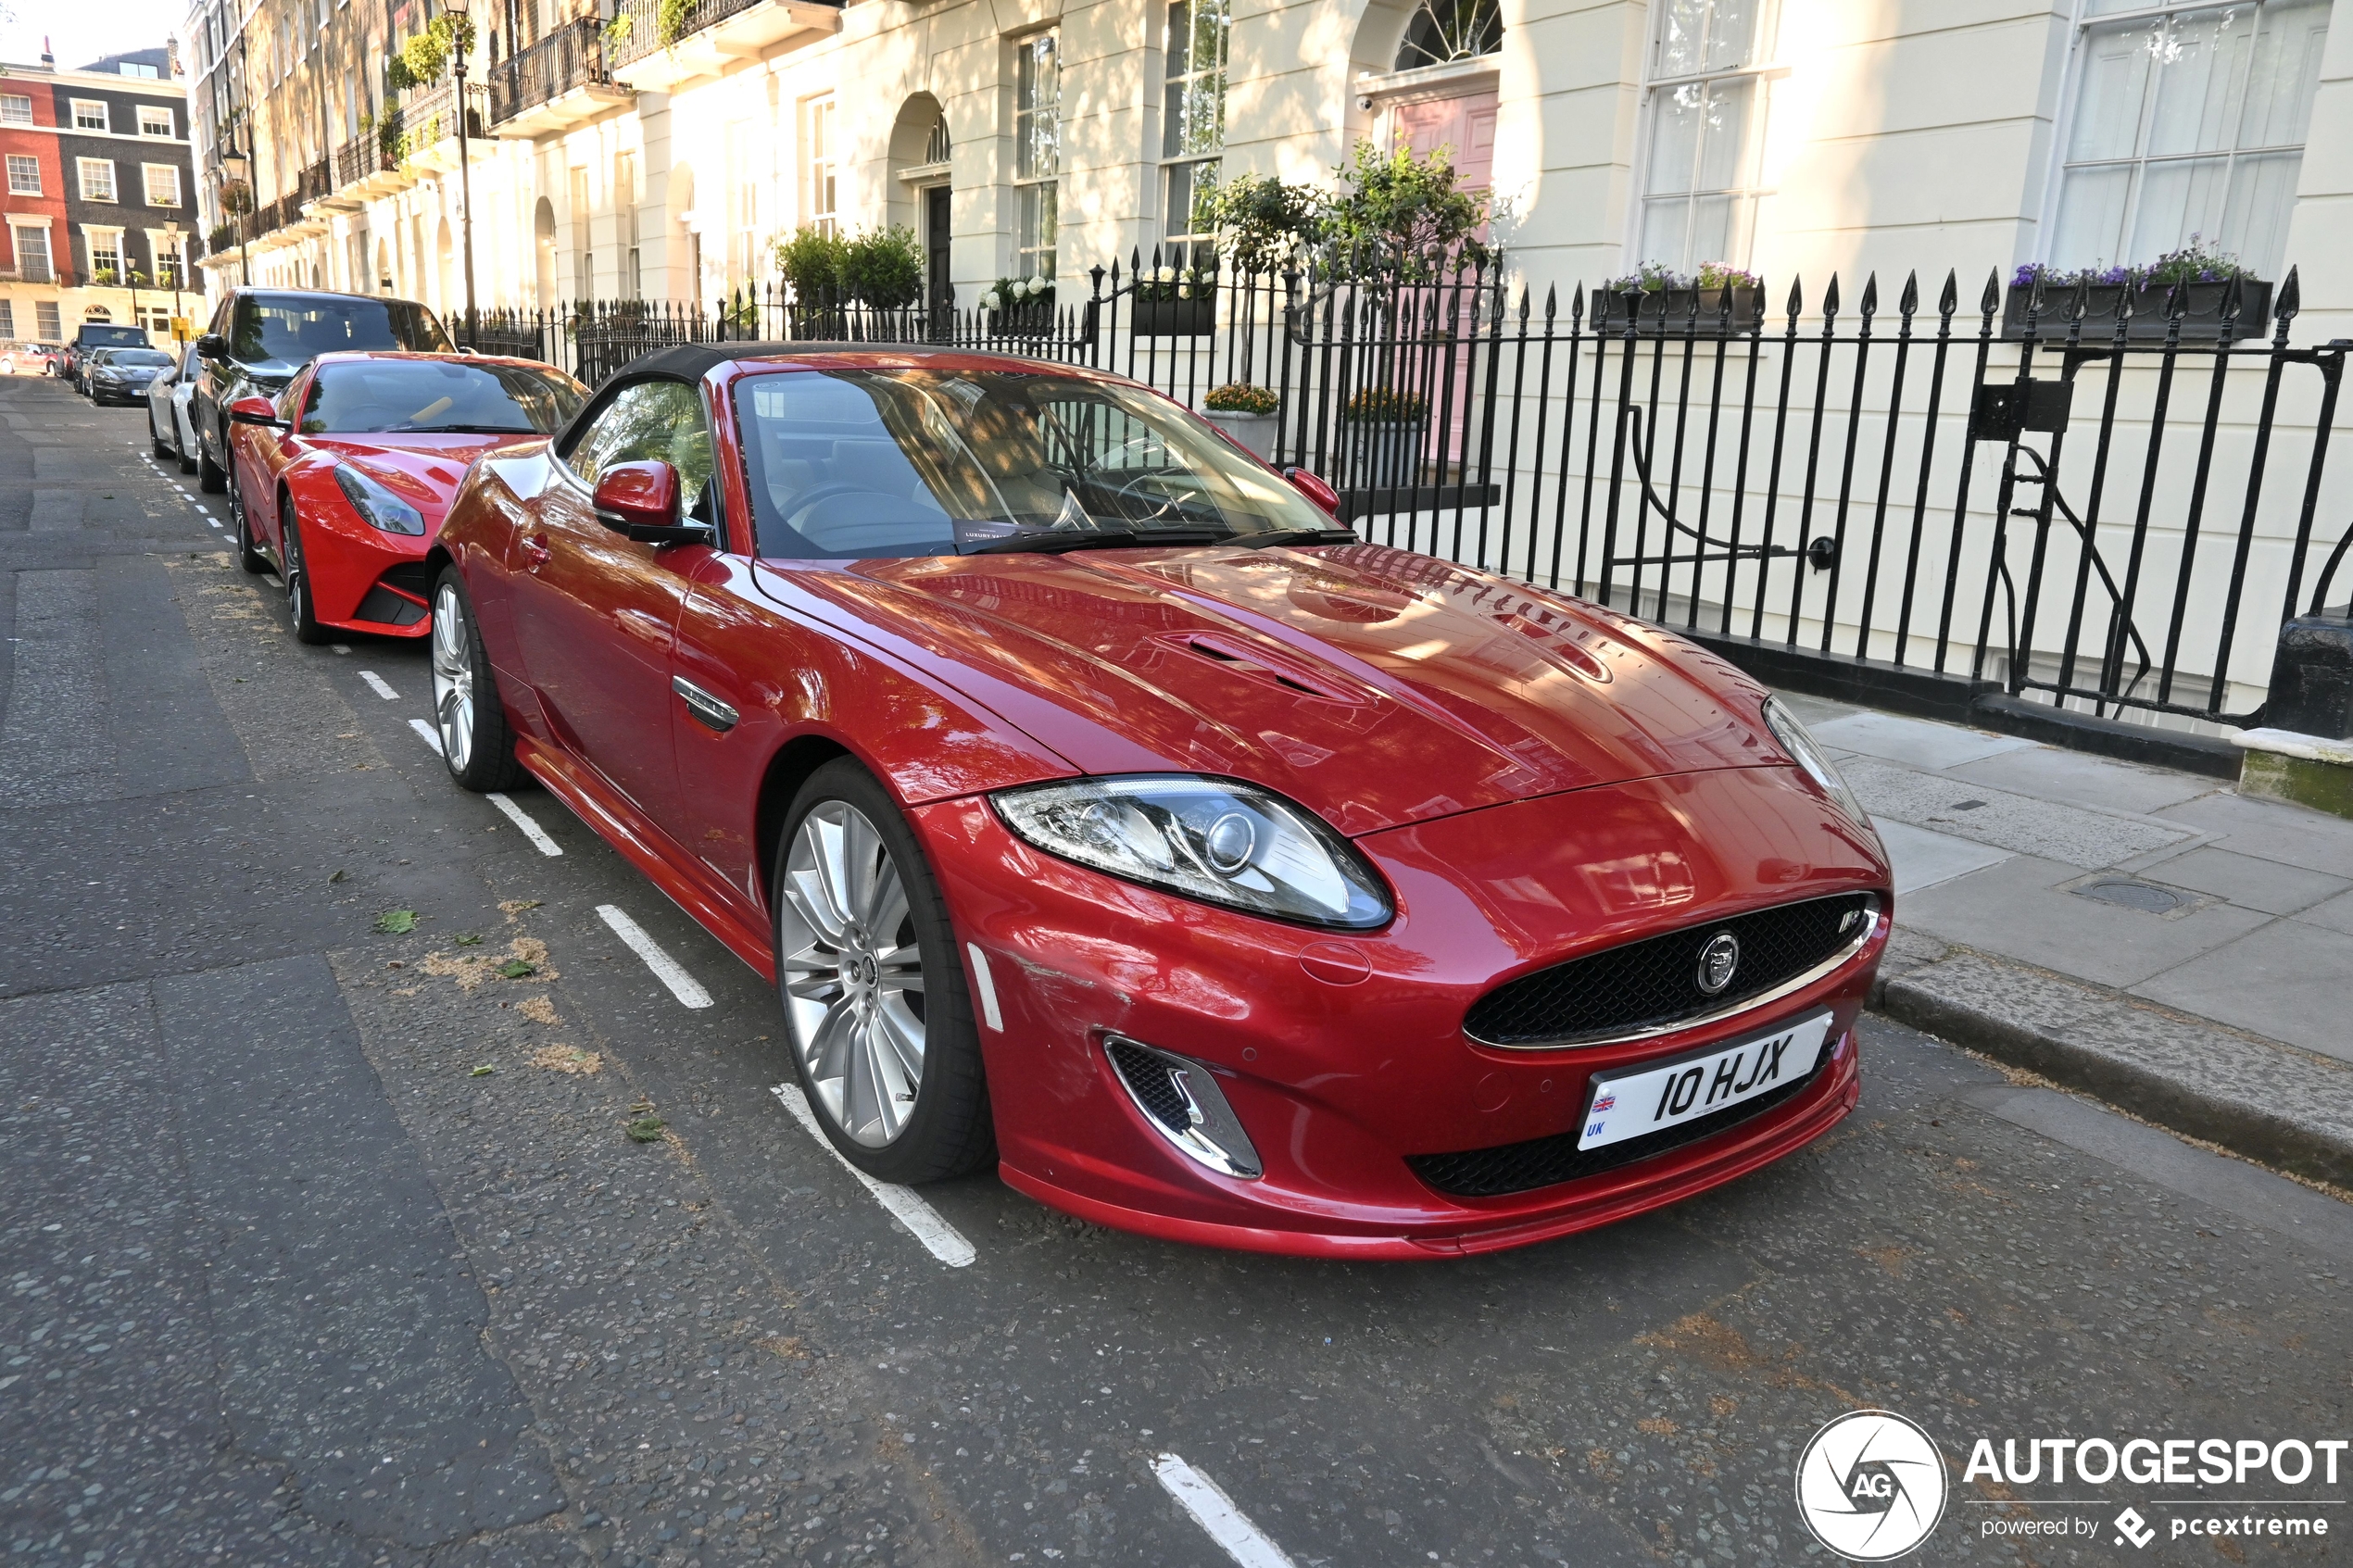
{"x": 1244, "y": 659}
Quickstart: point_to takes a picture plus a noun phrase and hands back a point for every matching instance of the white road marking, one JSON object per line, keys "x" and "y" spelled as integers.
{"x": 376, "y": 684}
{"x": 273, "y": 580}
{"x": 684, "y": 986}
{"x": 1215, "y": 1513}
{"x": 987, "y": 987}
{"x": 424, "y": 734}
{"x": 522, "y": 819}
{"x": 942, "y": 1239}
{"x": 209, "y": 523}
{"x": 338, "y": 647}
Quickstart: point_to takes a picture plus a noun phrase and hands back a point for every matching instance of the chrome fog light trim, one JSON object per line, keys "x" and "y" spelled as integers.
{"x": 1181, "y": 1099}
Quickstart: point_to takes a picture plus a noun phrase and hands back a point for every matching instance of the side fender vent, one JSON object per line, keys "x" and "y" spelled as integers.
{"x": 1182, "y": 1101}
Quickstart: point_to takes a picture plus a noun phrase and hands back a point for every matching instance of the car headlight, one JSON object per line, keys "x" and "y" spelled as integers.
{"x": 377, "y": 506}
{"x": 1808, "y": 753}
{"x": 1218, "y": 840}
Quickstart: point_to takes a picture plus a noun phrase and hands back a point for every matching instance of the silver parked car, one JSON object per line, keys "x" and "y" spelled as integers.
{"x": 168, "y": 418}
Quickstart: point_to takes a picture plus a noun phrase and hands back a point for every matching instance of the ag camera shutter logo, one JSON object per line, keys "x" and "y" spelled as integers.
{"x": 1870, "y": 1486}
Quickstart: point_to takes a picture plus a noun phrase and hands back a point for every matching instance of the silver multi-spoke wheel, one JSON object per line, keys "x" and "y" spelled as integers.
{"x": 853, "y": 974}
{"x": 453, "y": 677}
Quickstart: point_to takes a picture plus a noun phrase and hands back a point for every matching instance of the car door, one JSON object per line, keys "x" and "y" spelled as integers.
{"x": 594, "y": 612}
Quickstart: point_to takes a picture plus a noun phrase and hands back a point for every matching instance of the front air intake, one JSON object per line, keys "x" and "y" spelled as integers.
{"x": 1182, "y": 1101}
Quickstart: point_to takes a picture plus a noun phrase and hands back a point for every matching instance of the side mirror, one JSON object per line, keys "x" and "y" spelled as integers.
{"x": 640, "y": 500}
{"x": 255, "y": 411}
{"x": 212, "y": 346}
{"x": 1315, "y": 490}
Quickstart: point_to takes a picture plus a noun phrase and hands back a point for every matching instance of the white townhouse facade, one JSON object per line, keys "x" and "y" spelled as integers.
{"x": 661, "y": 148}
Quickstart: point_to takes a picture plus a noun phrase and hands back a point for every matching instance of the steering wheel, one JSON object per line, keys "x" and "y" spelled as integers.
{"x": 831, "y": 488}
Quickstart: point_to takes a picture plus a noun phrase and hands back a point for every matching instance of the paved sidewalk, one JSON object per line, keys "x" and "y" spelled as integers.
{"x": 2151, "y": 936}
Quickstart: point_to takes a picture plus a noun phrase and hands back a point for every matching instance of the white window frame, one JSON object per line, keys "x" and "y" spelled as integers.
{"x": 148, "y": 173}
{"x": 157, "y": 111}
{"x": 18, "y": 163}
{"x": 48, "y": 320}
{"x": 2054, "y": 187}
{"x": 821, "y": 163}
{"x": 82, "y": 168}
{"x": 1763, "y": 71}
{"x": 1185, "y": 245}
{"x": 91, "y": 235}
{"x": 9, "y": 112}
{"x": 100, "y": 104}
{"x": 1037, "y": 182}
{"x": 18, "y": 230}
{"x": 169, "y": 254}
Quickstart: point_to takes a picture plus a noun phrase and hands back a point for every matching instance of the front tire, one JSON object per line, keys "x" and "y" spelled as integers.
{"x": 155, "y": 438}
{"x": 300, "y": 608}
{"x": 466, "y": 715}
{"x": 876, "y": 1011}
{"x": 249, "y": 554}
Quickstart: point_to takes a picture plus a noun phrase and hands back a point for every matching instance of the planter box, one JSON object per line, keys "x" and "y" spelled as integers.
{"x": 1253, "y": 432}
{"x": 1670, "y": 310}
{"x": 1175, "y": 318}
{"x": 1383, "y": 454}
{"x": 2201, "y": 315}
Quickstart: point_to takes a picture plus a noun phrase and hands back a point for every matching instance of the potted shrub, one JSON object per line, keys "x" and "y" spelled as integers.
{"x": 1663, "y": 299}
{"x": 1174, "y": 302}
{"x": 2202, "y": 275}
{"x": 1384, "y": 429}
{"x": 1246, "y": 413}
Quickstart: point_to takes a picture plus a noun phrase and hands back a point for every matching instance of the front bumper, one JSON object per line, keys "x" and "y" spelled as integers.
{"x": 361, "y": 578}
{"x": 1341, "y": 1057}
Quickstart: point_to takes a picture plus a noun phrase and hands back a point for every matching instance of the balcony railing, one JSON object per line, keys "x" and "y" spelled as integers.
{"x": 360, "y": 157}
{"x": 636, "y": 29}
{"x": 569, "y": 58}
{"x": 314, "y": 182}
{"x": 429, "y": 116}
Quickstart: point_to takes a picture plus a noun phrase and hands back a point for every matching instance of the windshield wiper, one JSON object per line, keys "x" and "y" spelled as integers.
{"x": 1058, "y": 541}
{"x": 1297, "y": 536}
{"x": 461, "y": 430}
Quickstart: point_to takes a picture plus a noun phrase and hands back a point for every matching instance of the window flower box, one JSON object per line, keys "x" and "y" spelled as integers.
{"x": 1671, "y": 310}
{"x": 1194, "y": 317}
{"x": 2201, "y": 312}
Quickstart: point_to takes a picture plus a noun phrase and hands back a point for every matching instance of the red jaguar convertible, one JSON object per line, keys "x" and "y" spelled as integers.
{"x": 1104, "y": 811}
{"x": 342, "y": 481}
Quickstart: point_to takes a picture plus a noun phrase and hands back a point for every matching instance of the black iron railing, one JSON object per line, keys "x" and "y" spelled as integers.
{"x": 644, "y": 33}
{"x": 360, "y": 157}
{"x": 2079, "y": 512}
{"x": 570, "y": 57}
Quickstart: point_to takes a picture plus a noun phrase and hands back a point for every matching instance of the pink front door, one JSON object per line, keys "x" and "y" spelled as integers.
{"x": 1464, "y": 126}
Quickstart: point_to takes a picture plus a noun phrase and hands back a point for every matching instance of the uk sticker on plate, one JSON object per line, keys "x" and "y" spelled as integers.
{"x": 1630, "y": 1104}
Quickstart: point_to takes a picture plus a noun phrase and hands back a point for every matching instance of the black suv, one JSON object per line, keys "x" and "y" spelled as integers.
{"x": 261, "y": 339}
{"x": 89, "y": 338}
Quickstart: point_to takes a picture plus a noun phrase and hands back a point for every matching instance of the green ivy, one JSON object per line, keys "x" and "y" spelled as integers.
{"x": 675, "y": 20}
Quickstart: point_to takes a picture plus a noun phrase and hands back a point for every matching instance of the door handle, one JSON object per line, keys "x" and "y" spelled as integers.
{"x": 535, "y": 553}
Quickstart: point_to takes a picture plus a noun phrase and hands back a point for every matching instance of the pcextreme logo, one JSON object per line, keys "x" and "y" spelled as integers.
{"x": 1870, "y": 1486}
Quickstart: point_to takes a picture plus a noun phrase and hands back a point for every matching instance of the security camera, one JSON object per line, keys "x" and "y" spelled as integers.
{"x": 1364, "y": 101}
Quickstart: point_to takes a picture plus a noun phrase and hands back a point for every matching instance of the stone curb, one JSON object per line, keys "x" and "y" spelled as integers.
{"x": 2255, "y": 1097}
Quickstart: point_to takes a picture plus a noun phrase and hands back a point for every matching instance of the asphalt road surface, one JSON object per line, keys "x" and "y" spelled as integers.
{"x": 321, "y": 1244}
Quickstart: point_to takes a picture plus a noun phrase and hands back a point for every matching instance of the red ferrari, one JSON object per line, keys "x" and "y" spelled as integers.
{"x": 342, "y": 482}
{"x": 1104, "y": 811}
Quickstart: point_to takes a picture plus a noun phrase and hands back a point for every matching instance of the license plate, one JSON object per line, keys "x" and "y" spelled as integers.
{"x": 1627, "y": 1105}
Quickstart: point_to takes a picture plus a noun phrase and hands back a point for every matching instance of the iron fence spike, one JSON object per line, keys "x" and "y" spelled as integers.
{"x": 1870, "y": 295}
{"x": 1991, "y": 300}
{"x": 1908, "y": 301}
{"x": 1830, "y": 301}
{"x": 2290, "y": 299}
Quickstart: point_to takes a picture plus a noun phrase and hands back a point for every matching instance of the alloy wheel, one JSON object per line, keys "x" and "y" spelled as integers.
{"x": 453, "y": 678}
{"x": 853, "y": 975}
{"x": 291, "y": 554}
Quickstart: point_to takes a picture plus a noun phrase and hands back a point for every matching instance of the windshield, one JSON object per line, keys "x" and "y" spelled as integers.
{"x": 438, "y": 395}
{"x": 855, "y": 464}
{"x": 295, "y": 329}
{"x": 137, "y": 357}
{"x": 115, "y": 335}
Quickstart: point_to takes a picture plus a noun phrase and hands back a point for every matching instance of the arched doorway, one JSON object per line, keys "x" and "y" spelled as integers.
{"x": 921, "y": 194}
{"x": 543, "y": 252}
{"x": 1439, "y": 58}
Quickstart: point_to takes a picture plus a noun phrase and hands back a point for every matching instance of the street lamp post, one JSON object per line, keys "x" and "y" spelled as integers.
{"x": 171, "y": 238}
{"x": 456, "y": 10}
{"x": 236, "y": 166}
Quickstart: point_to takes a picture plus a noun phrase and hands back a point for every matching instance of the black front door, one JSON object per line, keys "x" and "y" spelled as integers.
{"x": 942, "y": 294}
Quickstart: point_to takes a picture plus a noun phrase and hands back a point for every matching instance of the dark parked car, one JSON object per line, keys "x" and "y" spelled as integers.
{"x": 260, "y": 340}
{"x": 94, "y": 335}
{"x": 121, "y": 375}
